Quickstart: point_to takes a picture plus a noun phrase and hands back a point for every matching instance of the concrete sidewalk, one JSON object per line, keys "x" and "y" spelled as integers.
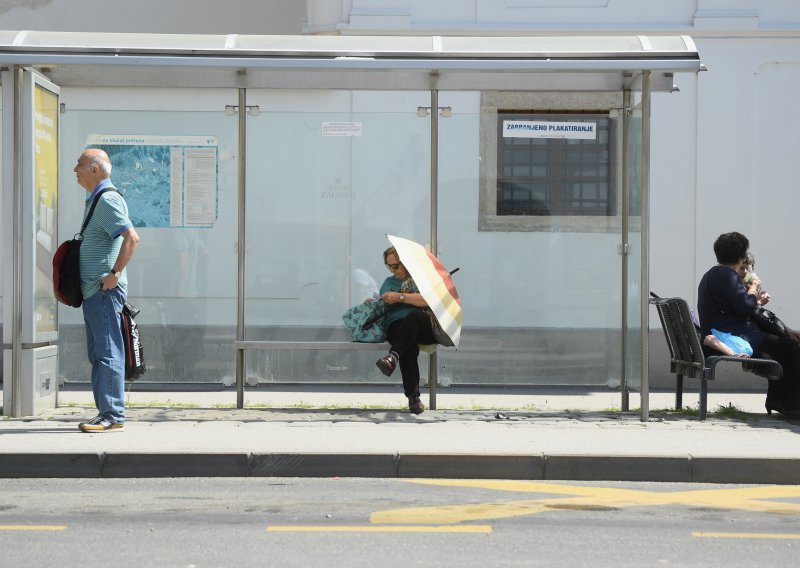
{"x": 513, "y": 434}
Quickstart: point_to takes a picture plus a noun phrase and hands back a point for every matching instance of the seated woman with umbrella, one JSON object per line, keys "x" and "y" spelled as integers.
{"x": 419, "y": 290}
{"x": 406, "y": 327}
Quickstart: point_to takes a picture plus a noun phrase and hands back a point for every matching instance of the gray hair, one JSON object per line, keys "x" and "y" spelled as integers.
{"x": 750, "y": 260}
{"x": 100, "y": 159}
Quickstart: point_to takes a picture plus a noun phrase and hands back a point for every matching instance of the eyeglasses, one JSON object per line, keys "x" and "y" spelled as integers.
{"x": 394, "y": 266}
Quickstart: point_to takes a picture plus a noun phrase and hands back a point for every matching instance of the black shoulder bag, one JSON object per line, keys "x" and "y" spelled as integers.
{"x": 67, "y": 263}
{"x": 768, "y": 322}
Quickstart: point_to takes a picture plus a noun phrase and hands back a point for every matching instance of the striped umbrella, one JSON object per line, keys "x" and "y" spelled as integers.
{"x": 434, "y": 283}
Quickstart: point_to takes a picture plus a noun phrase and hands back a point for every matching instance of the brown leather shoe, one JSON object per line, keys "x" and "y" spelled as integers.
{"x": 387, "y": 364}
{"x": 415, "y": 405}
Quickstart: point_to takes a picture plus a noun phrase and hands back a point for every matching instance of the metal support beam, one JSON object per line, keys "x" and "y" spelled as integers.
{"x": 12, "y": 103}
{"x": 623, "y": 368}
{"x": 241, "y": 248}
{"x": 644, "y": 288}
{"x": 433, "y": 359}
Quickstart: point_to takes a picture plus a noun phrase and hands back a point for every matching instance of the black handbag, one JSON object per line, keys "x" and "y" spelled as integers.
{"x": 134, "y": 352}
{"x": 768, "y": 322}
{"x": 438, "y": 333}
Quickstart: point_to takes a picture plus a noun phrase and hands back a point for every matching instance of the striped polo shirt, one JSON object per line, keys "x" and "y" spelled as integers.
{"x": 100, "y": 245}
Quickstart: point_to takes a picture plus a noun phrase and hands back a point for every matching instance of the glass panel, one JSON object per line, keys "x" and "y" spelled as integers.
{"x": 540, "y": 308}
{"x": 324, "y": 189}
{"x": 633, "y": 346}
{"x": 182, "y": 277}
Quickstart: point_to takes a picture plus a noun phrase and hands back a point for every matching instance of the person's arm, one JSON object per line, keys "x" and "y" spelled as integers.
{"x": 412, "y": 298}
{"x": 130, "y": 240}
{"x": 742, "y": 301}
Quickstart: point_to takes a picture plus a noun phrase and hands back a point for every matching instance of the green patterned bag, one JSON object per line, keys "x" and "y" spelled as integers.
{"x": 366, "y": 322}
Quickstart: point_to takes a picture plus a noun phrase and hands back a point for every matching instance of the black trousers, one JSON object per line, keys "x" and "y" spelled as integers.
{"x": 785, "y": 351}
{"x": 405, "y": 337}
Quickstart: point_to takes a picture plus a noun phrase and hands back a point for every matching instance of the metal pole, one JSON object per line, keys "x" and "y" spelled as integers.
{"x": 240, "y": 248}
{"x": 644, "y": 288}
{"x": 16, "y": 276}
{"x": 623, "y": 368}
{"x": 433, "y": 371}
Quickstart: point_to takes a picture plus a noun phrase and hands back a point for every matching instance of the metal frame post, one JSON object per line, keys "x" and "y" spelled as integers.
{"x": 644, "y": 288}
{"x": 623, "y": 368}
{"x": 12, "y": 148}
{"x": 241, "y": 246}
{"x": 433, "y": 359}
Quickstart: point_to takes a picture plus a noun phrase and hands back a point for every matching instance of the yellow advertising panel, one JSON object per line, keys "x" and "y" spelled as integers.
{"x": 45, "y": 168}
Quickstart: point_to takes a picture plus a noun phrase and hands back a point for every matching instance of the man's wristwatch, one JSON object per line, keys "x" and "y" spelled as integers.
{"x": 402, "y": 297}
{"x": 118, "y": 274}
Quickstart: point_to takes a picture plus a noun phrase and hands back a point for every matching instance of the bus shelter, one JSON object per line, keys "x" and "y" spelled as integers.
{"x": 263, "y": 173}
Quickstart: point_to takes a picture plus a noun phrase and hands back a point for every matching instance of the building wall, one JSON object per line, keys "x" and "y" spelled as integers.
{"x": 155, "y": 16}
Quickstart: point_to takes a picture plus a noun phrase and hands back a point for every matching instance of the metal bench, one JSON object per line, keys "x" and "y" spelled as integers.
{"x": 688, "y": 357}
{"x": 244, "y": 345}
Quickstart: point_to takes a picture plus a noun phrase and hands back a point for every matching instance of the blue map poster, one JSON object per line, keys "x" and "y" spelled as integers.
{"x": 167, "y": 181}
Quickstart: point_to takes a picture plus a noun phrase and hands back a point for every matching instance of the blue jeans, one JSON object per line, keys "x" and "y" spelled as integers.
{"x": 101, "y": 314}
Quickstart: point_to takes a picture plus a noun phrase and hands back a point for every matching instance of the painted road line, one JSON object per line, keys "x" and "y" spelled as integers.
{"x": 762, "y": 499}
{"x": 482, "y": 529}
{"x": 773, "y": 536}
{"x": 33, "y": 527}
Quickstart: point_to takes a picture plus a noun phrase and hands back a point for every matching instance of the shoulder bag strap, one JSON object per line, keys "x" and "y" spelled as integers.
{"x": 94, "y": 204}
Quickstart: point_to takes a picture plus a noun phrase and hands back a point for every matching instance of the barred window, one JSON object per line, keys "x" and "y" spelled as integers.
{"x": 548, "y": 175}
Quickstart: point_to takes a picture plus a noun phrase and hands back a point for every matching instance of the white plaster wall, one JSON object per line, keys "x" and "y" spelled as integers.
{"x": 155, "y": 16}
{"x": 747, "y": 157}
{"x": 498, "y": 16}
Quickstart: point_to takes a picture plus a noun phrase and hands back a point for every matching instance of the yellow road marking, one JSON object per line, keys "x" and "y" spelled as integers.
{"x": 32, "y": 527}
{"x": 754, "y": 499}
{"x": 777, "y": 536}
{"x": 483, "y": 529}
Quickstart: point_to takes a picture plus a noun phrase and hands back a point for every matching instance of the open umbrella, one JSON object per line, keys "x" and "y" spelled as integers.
{"x": 434, "y": 283}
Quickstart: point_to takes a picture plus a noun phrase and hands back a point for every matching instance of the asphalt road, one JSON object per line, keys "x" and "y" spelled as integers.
{"x": 289, "y": 522}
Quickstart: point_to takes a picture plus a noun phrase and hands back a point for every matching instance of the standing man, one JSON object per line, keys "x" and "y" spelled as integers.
{"x": 104, "y": 284}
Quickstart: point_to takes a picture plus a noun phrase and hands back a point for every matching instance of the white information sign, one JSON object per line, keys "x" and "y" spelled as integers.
{"x": 341, "y": 129}
{"x": 547, "y": 129}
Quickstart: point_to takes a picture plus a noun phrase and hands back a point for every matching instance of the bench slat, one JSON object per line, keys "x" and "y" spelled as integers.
{"x": 310, "y": 345}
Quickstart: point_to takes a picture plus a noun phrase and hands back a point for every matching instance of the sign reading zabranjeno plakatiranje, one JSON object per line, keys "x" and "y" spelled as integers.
{"x": 547, "y": 129}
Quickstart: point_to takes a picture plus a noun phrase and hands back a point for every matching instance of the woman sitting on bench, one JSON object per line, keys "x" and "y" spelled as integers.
{"x": 725, "y": 304}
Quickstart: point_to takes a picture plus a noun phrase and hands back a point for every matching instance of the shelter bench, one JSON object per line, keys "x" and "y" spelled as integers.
{"x": 300, "y": 345}
{"x": 336, "y": 346}
{"x": 690, "y": 359}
